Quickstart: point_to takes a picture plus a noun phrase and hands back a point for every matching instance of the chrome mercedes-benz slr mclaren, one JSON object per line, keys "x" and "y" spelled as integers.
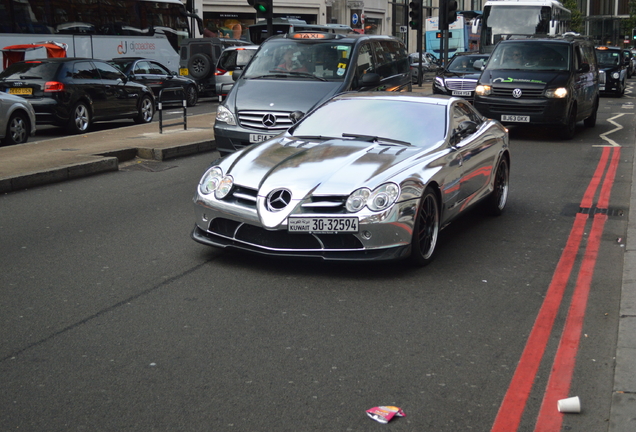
{"x": 365, "y": 176}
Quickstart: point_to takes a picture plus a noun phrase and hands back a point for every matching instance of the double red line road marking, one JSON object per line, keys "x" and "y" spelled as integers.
{"x": 549, "y": 419}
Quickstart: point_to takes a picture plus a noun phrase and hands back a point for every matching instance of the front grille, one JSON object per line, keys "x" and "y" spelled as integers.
{"x": 525, "y": 93}
{"x": 325, "y": 205}
{"x": 281, "y": 239}
{"x": 505, "y": 108}
{"x": 268, "y": 121}
{"x": 461, "y": 84}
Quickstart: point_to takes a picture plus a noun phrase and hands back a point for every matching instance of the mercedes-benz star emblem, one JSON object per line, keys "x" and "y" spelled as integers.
{"x": 278, "y": 199}
{"x": 516, "y": 93}
{"x": 269, "y": 120}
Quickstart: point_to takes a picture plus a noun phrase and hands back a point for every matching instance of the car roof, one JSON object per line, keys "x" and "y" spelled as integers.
{"x": 331, "y": 37}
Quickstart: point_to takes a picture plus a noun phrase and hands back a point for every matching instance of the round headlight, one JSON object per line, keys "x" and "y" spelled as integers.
{"x": 357, "y": 200}
{"x": 225, "y": 115}
{"x": 383, "y": 197}
{"x": 210, "y": 180}
{"x": 616, "y": 75}
{"x": 225, "y": 186}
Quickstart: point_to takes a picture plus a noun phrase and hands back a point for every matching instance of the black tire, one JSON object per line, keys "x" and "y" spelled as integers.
{"x": 146, "y": 110}
{"x": 200, "y": 66}
{"x": 80, "y": 120}
{"x": 568, "y": 130}
{"x": 591, "y": 120}
{"x": 496, "y": 201}
{"x": 17, "y": 129}
{"x": 426, "y": 229}
{"x": 191, "y": 95}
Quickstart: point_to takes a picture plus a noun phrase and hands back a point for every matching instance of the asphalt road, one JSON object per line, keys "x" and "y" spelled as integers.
{"x": 114, "y": 319}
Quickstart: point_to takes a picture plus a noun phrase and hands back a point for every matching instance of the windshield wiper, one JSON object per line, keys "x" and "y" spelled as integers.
{"x": 277, "y": 73}
{"x": 373, "y": 138}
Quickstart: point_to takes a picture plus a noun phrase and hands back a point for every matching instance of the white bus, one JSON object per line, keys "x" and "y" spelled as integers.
{"x": 503, "y": 19}
{"x": 102, "y": 29}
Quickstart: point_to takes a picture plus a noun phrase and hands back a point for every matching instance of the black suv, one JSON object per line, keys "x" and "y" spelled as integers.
{"x": 541, "y": 81}
{"x": 75, "y": 92}
{"x": 198, "y": 58}
{"x": 612, "y": 64}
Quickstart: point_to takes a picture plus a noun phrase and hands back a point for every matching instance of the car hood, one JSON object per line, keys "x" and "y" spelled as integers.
{"x": 524, "y": 78}
{"x": 450, "y": 75}
{"x": 333, "y": 167}
{"x": 281, "y": 94}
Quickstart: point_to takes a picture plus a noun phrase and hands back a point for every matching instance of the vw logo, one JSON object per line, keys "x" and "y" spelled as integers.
{"x": 269, "y": 120}
{"x": 278, "y": 199}
{"x": 516, "y": 93}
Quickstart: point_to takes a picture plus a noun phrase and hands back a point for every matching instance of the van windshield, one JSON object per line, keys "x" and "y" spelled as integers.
{"x": 293, "y": 59}
{"x": 534, "y": 56}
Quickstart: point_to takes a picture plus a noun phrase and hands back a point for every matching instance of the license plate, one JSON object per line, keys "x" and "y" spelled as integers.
{"x": 183, "y": 71}
{"x": 322, "y": 225}
{"x": 256, "y": 138}
{"x": 515, "y": 118}
{"x": 462, "y": 93}
{"x": 601, "y": 88}
{"x": 21, "y": 91}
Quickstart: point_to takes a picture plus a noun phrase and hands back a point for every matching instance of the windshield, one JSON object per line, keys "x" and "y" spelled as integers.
{"x": 31, "y": 69}
{"x": 608, "y": 58}
{"x": 465, "y": 63}
{"x": 325, "y": 60}
{"x": 417, "y": 123}
{"x": 530, "y": 56}
{"x": 518, "y": 20}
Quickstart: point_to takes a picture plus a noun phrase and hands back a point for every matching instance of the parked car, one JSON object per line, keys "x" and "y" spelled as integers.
{"x": 612, "y": 70}
{"x": 158, "y": 77}
{"x": 293, "y": 73}
{"x": 460, "y": 77}
{"x": 198, "y": 58}
{"x": 17, "y": 119}
{"x": 231, "y": 59}
{"x": 541, "y": 81}
{"x": 627, "y": 59}
{"x": 369, "y": 186}
{"x": 76, "y": 92}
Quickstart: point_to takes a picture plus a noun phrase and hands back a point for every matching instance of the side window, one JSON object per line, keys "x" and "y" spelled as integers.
{"x": 578, "y": 58}
{"x": 84, "y": 70}
{"x": 365, "y": 63}
{"x": 108, "y": 72}
{"x": 157, "y": 69}
{"x": 404, "y": 65}
{"x": 142, "y": 68}
{"x": 460, "y": 112}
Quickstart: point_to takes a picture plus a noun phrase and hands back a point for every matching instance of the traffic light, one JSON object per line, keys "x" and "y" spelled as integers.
{"x": 415, "y": 14}
{"x": 451, "y": 11}
{"x": 634, "y": 34}
{"x": 263, "y": 7}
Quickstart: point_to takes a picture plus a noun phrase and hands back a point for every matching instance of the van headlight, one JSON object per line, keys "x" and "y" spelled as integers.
{"x": 557, "y": 93}
{"x": 225, "y": 115}
{"x": 483, "y": 90}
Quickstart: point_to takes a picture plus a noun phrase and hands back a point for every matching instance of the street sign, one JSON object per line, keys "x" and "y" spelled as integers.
{"x": 354, "y": 19}
{"x": 403, "y": 29}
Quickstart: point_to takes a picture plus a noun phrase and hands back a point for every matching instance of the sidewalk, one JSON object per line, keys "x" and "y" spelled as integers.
{"x": 41, "y": 162}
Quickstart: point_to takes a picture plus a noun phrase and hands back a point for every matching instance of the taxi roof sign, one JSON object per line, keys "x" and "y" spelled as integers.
{"x": 312, "y": 35}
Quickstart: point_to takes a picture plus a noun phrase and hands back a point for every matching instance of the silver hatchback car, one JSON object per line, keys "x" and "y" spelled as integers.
{"x": 17, "y": 119}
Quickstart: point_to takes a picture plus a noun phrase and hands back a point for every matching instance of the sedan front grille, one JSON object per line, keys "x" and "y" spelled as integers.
{"x": 269, "y": 121}
{"x": 461, "y": 84}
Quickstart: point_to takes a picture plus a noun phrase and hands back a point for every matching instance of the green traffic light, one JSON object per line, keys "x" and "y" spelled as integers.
{"x": 261, "y": 8}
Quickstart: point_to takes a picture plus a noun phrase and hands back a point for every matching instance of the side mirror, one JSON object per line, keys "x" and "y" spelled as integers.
{"x": 236, "y": 75}
{"x": 478, "y": 65}
{"x": 370, "y": 80}
{"x": 465, "y": 128}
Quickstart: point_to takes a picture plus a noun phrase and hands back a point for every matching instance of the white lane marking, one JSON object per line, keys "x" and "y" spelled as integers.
{"x": 604, "y": 136}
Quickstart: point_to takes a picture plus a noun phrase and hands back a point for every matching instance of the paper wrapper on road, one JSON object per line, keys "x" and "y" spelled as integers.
{"x": 384, "y": 414}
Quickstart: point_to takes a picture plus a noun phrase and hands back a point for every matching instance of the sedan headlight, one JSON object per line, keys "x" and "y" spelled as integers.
{"x": 557, "y": 93}
{"x": 214, "y": 181}
{"x": 225, "y": 115}
{"x": 616, "y": 75}
{"x": 380, "y": 199}
{"x": 439, "y": 82}
{"x": 483, "y": 90}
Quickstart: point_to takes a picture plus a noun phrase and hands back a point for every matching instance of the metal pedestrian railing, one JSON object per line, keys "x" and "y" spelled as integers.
{"x": 172, "y": 103}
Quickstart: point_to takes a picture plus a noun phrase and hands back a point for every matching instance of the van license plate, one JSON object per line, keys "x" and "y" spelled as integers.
{"x": 256, "y": 138}
{"x": 515, "y": 118}
{"x": 462, "y": 93}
